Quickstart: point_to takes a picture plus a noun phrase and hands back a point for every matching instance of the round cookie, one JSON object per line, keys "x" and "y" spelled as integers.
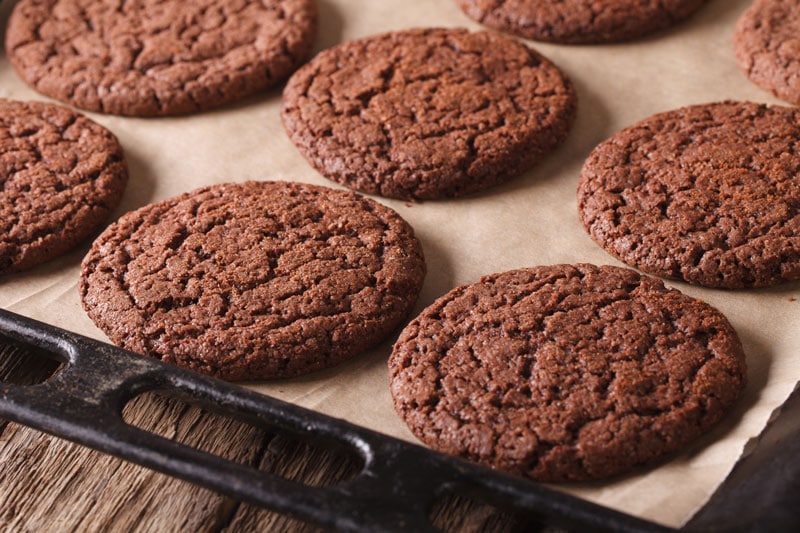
{"x": 157, "y": 57}
{"x": 565, "y": 372}
{"x": 61, "y": 175}
{"x": 580, "y": 21}
{"x": 767, "y": 46}
{"x": 708, "y": 194}
{"x": 254, "y": 280}
{"x": 427, "y": 113}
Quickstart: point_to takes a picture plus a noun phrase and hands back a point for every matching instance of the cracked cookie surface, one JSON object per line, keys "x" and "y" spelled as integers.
{"x": 579, "y": 21}
{"x": 61, "y": 175}
{"x": 254, "y": 280}
{"x": 767, "y": 46}
{"x": 157, "y": 57}
{"x": 427, "y": 114}
{"x": 565, "y": 372}
{"x": 708, "y": 194}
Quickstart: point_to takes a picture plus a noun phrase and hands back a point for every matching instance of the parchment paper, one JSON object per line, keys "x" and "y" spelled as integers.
{"x": 529, "y": 221}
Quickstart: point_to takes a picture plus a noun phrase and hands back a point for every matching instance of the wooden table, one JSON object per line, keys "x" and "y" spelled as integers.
{"x": 48, "y": 484}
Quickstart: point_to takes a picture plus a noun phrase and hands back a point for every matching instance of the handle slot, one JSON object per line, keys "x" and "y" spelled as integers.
{"x": 262, "y": 447}
{"x": 25, "y": 365}
{"x": 395, "y": 489}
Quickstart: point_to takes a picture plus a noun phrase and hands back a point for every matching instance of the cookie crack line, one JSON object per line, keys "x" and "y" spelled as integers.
{"x": 121, "y": 62}
{"x": 64, "y": 174}
{"x": 705, "y": 194}
{"x": 579, "y": 21}
{"x": 764, "y": 43}
{"x": 438, "y": 112}
{"x": 184, "y": 280}
{"x": 631, "y": 364}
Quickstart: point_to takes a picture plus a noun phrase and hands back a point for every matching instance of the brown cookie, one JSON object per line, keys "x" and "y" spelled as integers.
{"x": 428, "y": 113}
{"x": 61, "y": 175}
{"x": 708, "y": 194}
{"x": 157, "y": 57}
{"x": 767, "y": 45}
{"x": 580, "y": 21}
{"x": 565, "y": 372}
{"x": 254, "y": 280}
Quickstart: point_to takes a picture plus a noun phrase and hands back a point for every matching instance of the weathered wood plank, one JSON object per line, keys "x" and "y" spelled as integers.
{"x": 47, "y": 484}
{"x": 50, "y": 484}
{"x": 23, "y": 366}
{"x": 300, "y": 462}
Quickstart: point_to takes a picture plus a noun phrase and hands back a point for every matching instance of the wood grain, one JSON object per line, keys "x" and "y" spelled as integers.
{"x": 48, "y": 484}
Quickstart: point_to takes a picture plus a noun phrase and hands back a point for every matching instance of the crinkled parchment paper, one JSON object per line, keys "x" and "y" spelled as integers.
{"x": 531, "y": 220}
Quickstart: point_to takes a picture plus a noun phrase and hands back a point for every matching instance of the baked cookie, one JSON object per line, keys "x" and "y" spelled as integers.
{"x": 157, "y": 57}
{"x": 565, "y": 372}
{"x": 767, "y": 45}
{"x": 429, "y": 113}
{"x": 708, "y": 194}
{"x": 61, "y": 175}
{"x": 253, "y": 280}
{"x": 580, "y": 21}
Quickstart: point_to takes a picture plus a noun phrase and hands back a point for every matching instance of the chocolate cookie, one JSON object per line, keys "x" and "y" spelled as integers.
{"x": 565, "y": 372}
{"x": 708, "y": 194}
{"x": 580, "y": 21}
{"x": 428, "y": 113}
{"x": 61, "y": 175}
{"x": 253, "y": 280}
{"x": 767, "y": 45}
{"x": 157, "y": 57}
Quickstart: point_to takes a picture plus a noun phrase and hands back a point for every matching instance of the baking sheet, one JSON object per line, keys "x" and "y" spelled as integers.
{"x": 529, "y": 221}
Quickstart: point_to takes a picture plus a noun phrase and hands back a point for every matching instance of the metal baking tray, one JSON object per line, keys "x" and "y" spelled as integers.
{"x": 397, "y": 483}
